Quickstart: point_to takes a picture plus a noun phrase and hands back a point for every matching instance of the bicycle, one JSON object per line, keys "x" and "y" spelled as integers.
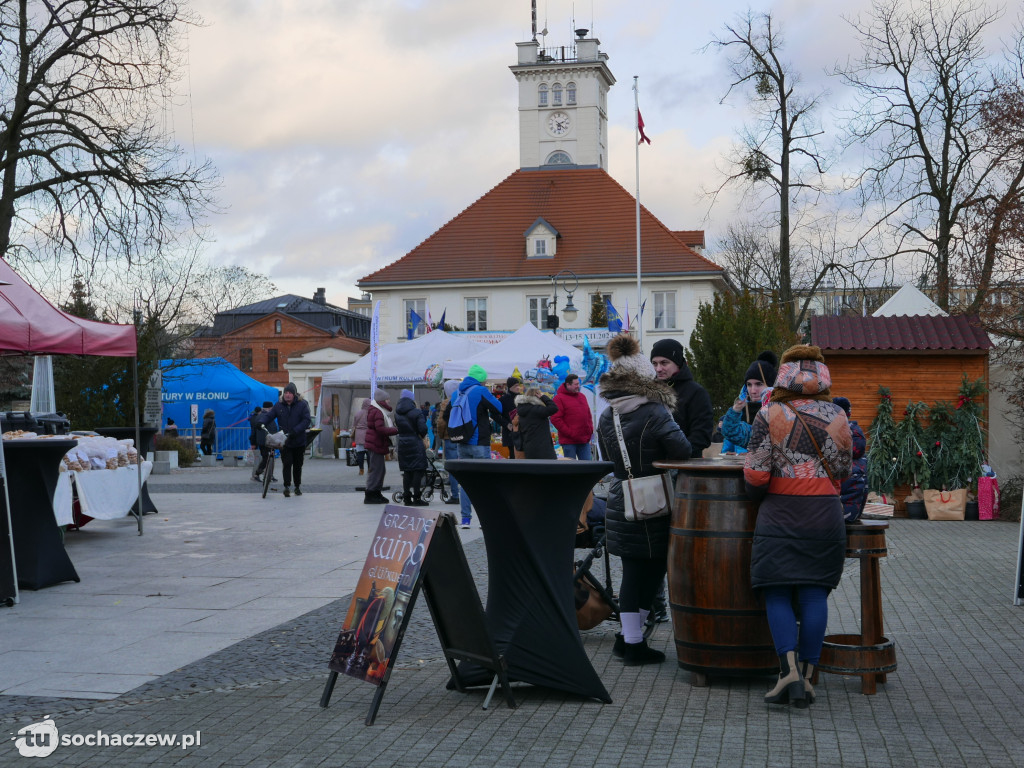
{"x": 274, "y": 440}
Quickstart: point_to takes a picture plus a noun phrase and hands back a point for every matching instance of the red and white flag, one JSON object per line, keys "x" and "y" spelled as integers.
{"x": 640, "y": 127}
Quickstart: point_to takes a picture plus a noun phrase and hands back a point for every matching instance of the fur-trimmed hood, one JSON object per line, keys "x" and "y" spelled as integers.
{"x": 529, "y": 400}
{"x": 623, "y": 382}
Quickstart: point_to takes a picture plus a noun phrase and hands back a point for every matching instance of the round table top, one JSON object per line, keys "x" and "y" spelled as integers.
{"x": 720, "y": 462}
{"x": 529, "y": 466}
{"x": 39, "y": 443}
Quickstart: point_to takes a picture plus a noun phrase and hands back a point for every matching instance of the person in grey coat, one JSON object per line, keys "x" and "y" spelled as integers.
{"x": 645, "y": 408}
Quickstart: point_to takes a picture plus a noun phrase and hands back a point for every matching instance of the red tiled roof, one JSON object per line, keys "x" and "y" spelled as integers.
{"x": 920, "y": 332}
{"x": 596, "y": 222}
{"x": 692, "y": 237}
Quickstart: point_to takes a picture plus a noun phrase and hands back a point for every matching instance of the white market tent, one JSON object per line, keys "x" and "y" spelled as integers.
{"x": 908, "y": 300}
{"x": 521, "y": 350}
{"x": 399, "y": 365}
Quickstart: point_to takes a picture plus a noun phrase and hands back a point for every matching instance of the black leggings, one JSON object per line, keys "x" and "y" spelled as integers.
{"x": 412, "y": 480}
{"x": 641, "y": 578}
{"x": 292, "y": 460}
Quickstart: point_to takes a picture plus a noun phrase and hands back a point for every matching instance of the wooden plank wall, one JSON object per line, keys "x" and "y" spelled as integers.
{"x": 909, "y": 377}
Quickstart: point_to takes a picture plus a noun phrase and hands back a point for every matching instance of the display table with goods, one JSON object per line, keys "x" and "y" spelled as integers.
{"x": 719, "y": 622}
{"x": 146, "y": 435}
{"x": 102, "y": 478}
{"x": 529, "y": 510}
{"x": 33, "y": 469}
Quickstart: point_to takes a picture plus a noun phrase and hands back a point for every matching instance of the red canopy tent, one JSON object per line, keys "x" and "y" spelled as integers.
{"x": 29, "y": 324}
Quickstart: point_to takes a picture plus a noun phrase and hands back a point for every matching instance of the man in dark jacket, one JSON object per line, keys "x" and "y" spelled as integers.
{"x": 411, "y": 424}
{"x": 693, "y": 409}
{"x": 259, "y": 438}
{"x": 292, "y": 415}
{"x": 513, "y": 388}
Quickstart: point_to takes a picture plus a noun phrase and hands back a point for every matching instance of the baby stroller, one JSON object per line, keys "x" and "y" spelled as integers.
{"x": 595, "y": 598}
{"x": 435, "y": 479}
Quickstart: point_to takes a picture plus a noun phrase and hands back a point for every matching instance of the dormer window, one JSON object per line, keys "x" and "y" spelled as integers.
{"x": 542, "y": 95}
{"x": 541, "y": 239}
{"x": 556, "y": 94}
{"x": 570, "y": 93}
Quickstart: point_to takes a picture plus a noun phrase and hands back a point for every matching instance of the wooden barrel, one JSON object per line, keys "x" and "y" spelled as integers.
{"x": 719, "y": 623}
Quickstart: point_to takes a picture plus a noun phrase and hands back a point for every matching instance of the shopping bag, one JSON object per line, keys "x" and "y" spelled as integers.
{"x": 988, "y": 498}
{"x": 945, "y": 505}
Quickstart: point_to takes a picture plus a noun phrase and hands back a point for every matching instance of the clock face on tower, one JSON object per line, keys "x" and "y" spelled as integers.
{"x": 558, "y": 123}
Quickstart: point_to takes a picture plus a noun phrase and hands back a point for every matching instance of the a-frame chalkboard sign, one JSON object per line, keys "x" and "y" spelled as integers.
{"x": 414, "y": 548}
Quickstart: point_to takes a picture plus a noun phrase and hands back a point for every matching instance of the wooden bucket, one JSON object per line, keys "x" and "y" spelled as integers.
{"x": 719, "y": 623}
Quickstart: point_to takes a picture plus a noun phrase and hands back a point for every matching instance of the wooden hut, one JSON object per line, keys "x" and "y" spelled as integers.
{"x": 919, "y": 358}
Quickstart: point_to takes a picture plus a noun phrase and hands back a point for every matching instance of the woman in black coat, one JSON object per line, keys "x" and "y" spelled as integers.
{"x": 645, "y": 408}
{"x": 412, "y": 454}
{"x": 208, "y": 436}
{"x": 534, "y": 411}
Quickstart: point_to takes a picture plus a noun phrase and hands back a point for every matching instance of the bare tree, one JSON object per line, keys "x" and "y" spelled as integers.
{"x": 925, "y": 89}
{"x": 750, "y": 257}
{"x": 778, "y": 150}
{"x": 84, "y": 166}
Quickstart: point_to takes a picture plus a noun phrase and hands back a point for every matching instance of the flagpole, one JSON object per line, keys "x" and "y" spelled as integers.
{"x": 639, "y": 273}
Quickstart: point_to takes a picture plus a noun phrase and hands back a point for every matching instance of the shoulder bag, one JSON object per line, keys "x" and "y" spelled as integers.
{"x": 644, "y": 497}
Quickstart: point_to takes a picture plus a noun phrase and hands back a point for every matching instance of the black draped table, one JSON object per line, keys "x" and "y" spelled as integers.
{"x": 32, "y": 470}
{"x": 528, "y": 510}
{"x": 146, "y": 435}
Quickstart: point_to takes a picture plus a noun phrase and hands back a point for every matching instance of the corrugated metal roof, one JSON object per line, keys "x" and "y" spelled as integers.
{"x": 595, "y": 218}
{"x": 909, "y": 332}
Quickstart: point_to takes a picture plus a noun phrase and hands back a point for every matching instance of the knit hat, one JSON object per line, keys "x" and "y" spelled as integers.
{"x": 477, "y": 372}
{"x": 407, "y": 393}
{"x": 511, "y": 381}
{"x": 843, "y": 403}
{"x": 764, "y": 368}
{"x": 290, "y": 387}
{"x": 450, "y": 386}
{"x": 624, "y": 353}
{"x": 670, "y": 349}
{"x": 381, "y": 395}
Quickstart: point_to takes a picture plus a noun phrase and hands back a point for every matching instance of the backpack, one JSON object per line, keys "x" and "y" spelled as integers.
{"x": 461, "y": 424}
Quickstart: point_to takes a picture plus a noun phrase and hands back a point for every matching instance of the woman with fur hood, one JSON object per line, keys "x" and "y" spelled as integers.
{"x": 645, "y": 406}
{"x": 533, "y": 412}
{"x": 798, "y": 452}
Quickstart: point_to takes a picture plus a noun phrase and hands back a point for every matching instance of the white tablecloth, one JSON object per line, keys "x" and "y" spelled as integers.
{"x": 62, "y": 499}
{"x": 106, "y": 494}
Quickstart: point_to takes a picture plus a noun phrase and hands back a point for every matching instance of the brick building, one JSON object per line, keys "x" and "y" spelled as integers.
{"x": 260, "y": 338}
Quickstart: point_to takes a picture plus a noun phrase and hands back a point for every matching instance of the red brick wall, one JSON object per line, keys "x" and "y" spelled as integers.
{"x": 260, "y": 337}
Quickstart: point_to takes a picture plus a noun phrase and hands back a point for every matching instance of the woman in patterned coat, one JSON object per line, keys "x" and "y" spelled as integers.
{"x": 799, "y": 451}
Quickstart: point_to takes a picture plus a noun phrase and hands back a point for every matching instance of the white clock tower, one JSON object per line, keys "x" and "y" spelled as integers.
{"x": 563, "y": 104}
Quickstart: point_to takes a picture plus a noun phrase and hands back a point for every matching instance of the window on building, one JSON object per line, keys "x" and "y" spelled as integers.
{"x": 476, "y": 314}
{"x": 540, "y": 247}
{"x": 664, "y": 309}
{"x": 570, "y": 93}
{"x": 558, "y": 157}
{"x": 277, "y": 326}
{"x": 419, "y": 306}
{"x": 556, "y": 94}
{"x": 537, "y": 309}
{"x": 542, "y": 95}
{"x": 271, "y": 359}
{"x": 245, "y": 359}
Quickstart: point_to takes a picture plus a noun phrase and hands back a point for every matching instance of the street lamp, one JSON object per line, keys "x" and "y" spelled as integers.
{"x": 569, "y": 311}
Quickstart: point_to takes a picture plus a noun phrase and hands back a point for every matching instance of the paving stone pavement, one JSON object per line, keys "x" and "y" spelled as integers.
{"x": 957, "y": 698}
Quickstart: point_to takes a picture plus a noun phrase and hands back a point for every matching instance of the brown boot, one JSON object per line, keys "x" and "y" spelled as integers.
{"x": 790, "y": 687}
{"x": 807, "y": 670}
{"x": 360, "y": 470}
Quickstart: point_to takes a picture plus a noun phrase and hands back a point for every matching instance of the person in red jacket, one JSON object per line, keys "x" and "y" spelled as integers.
{"x": 380, "y": 426}
{"x": 573, "y": 421}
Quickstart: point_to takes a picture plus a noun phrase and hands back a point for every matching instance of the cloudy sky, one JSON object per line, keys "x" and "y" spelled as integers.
{"x": 347, "y": 131}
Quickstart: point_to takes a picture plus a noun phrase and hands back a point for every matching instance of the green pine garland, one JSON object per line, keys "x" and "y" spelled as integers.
{"x": 883, "y": 455}
{"x": 912, "y": 459}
